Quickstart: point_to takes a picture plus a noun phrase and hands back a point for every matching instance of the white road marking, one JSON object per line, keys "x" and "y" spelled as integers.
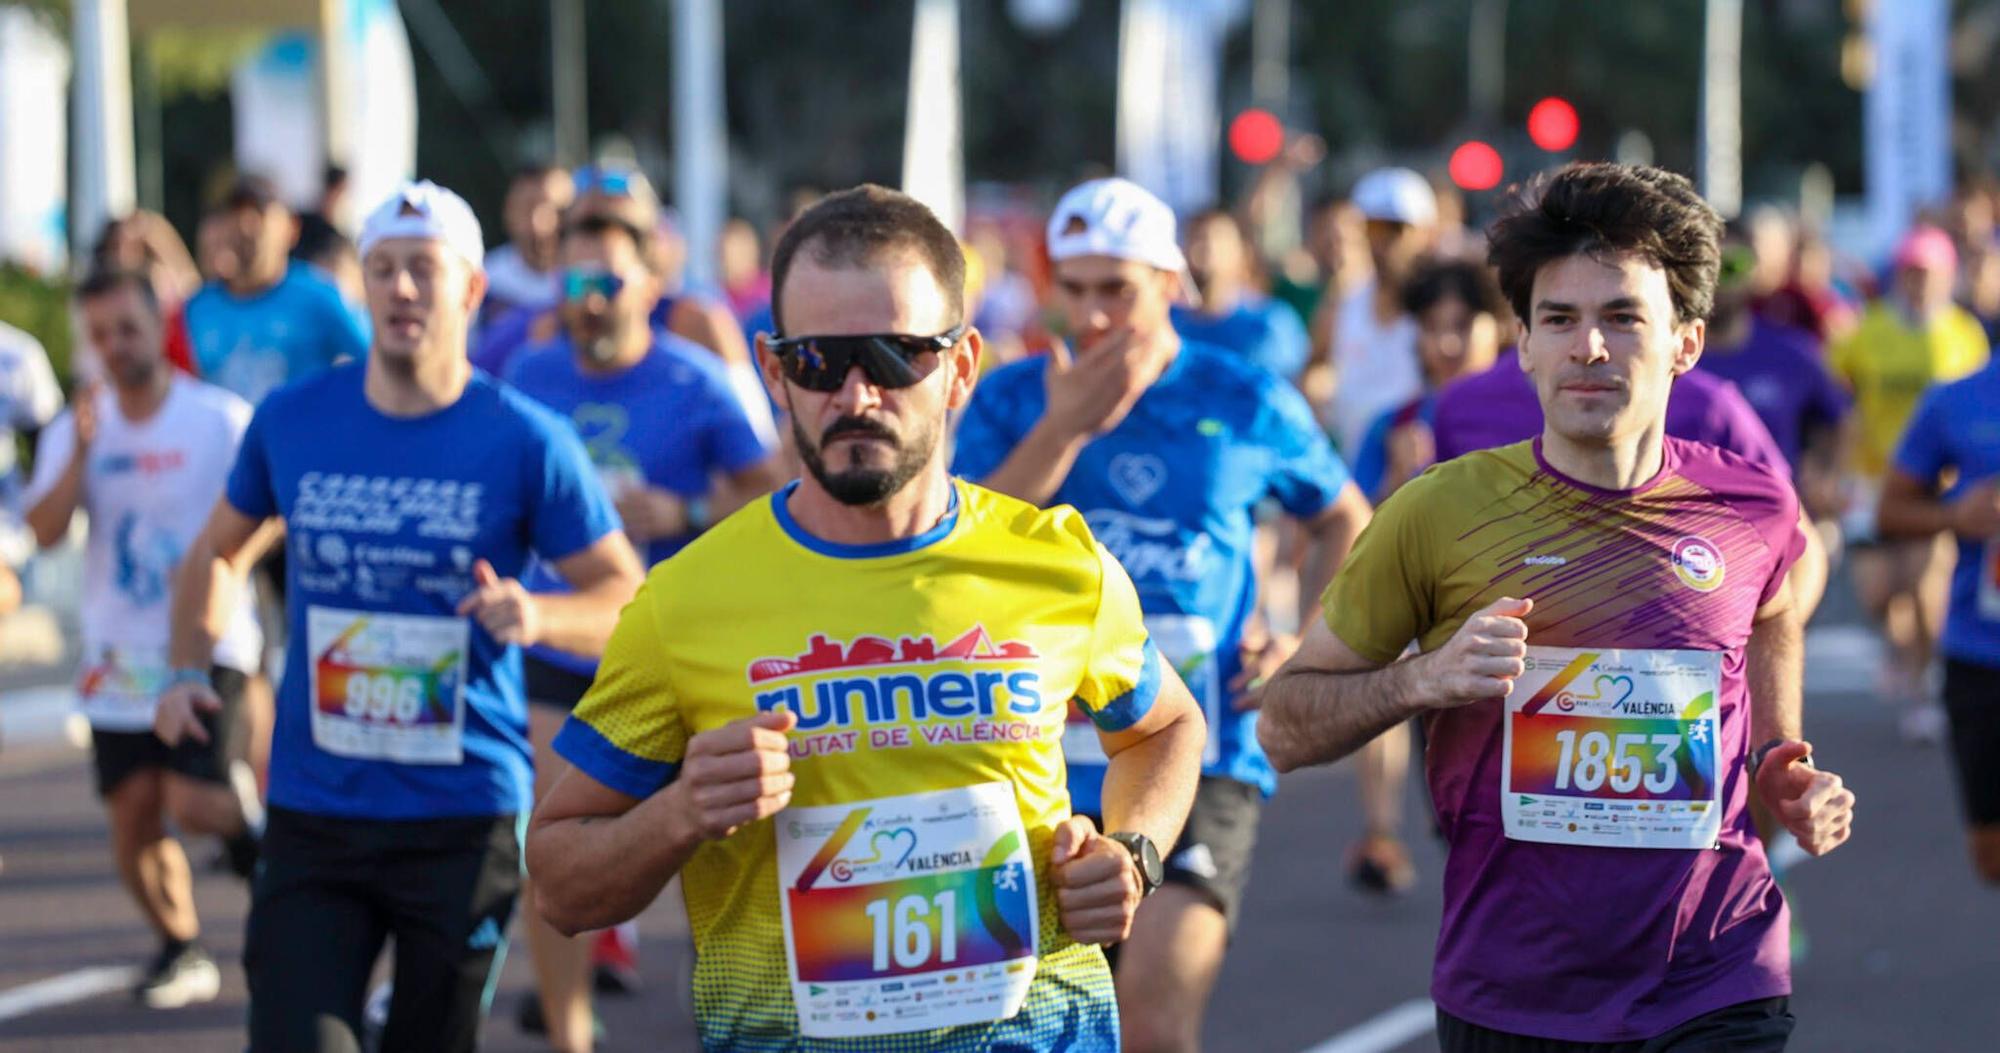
{"x": 62, "y": 990}
{"x": 1385, "y": 1031}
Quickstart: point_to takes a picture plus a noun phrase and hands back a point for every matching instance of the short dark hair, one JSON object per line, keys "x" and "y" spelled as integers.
{"x": 1463, "y": 280}
{"x": 106, "y": 281}
{"x": 534, "y": 172}
{"x": 598, "y": 224}
{"x": 859, "y": 225}
{"x": 1602, "y": 209}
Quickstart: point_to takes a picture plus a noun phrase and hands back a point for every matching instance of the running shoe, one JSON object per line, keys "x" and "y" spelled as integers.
{"x": 1379, "y": 864}
{"x": 1923, "y": 724}
{"x": 181, "y": 974}
{"x": 614, "y": 959}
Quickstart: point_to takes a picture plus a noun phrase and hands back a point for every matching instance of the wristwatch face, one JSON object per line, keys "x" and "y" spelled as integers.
{"x": 1151, "y": 871}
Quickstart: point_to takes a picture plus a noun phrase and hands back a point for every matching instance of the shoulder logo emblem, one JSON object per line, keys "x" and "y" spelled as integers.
{"x": 1698, "y": 563}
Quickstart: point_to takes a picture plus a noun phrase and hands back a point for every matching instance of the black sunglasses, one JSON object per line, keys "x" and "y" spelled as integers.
{"x": 891, "y": 360}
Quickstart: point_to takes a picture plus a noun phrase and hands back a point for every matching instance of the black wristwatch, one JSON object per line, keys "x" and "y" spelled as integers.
{"x": 1145, "y": 858}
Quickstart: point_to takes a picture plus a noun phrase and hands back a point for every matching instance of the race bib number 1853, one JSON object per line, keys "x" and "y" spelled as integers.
{"x": 908, "y": 913}
{"x": 1614, "y": 749}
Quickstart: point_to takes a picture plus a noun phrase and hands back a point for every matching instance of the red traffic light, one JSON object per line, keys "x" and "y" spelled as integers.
{"x": 1256, "y": 136}
{"x": 1476, "y": 166}
{"x": 1552, "y": 124}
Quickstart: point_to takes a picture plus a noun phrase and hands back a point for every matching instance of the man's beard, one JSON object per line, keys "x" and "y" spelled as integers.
{"x": 865, "y": 486}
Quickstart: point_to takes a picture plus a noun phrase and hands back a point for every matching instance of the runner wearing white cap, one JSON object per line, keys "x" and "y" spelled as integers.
{"x": 413, "y": 490}
{"x": 1167, "y": 446}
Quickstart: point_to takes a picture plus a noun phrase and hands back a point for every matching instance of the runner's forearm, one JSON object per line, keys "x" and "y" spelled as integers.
{"x": 50, "y": 516}
{"x": 1037, "y": 467}
{"x": 200, "y": 579}
{"x": 1317, "y": 717}
{"x": 580, "y": 623}
{"x": 593, "y": 872}
{"x": 1149, "y": 785}
{"x": 1774, "y": 667}
{"x": 1912, "y": 515}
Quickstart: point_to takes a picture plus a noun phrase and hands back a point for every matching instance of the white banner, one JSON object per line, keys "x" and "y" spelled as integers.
{"x": 1169, "y": 97}
{"x": 933, "y": 144}
{"x": 1907, "y": 114}
{"x": 701, "y": 135}
{"x": 34, "y": 141}
{"x": 280, "y": 128}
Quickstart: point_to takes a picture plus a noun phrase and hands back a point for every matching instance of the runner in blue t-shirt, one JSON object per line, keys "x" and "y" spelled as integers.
{"x": 1167, "y": 446}
{"x": 675, "y": 451}
{"x": 275, "y": 320}
{"x": 1232, "y": 315}
{"x": 413, "y": 491}
{"x": 1955, "y": 435}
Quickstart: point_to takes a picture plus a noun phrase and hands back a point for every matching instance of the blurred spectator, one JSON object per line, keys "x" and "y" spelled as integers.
{"x": 215, "y": 248}
{"x": 1791, "y": 282}
{"x": 1008, "y": 307}
{"x": 1232, "y": 314}
{"x": 1782, "y": 372}
{"x": 144, "y": 242}
{"x": 29, "y": 399}
{"x": 332, "y": 256}
{"x": 746, "y": 285}
{"x": 1337, "y": 245}
{"x": 1461, "y": 321}
{"x": 1455, "y": 240}
{"x": 272, "y": 319}
{"x": 1374, "y": 345}
{"x": 520, "y": 275}
{"x": 1910, "y": 339}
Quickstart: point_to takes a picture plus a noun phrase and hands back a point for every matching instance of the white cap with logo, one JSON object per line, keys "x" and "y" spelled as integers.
{"x": 426, "y": 210}
{"x": 1116, "y": 218}
{"x": 1396, "y": 195}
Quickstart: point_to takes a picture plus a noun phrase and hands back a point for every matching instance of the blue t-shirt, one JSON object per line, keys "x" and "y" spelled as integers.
{"x": 1266, "y": 332}
{"x": 1957, "y": 426}
{"x": 670, "y": 421}
{"x": 1171, "y": 492}
{"x": 393, "y": 706}
{"x": 255, "y": 345}
{"x": 1371, "y": 463}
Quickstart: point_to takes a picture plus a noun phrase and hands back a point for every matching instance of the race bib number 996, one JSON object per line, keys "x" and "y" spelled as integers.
{"x": 1613, "y": 749}
{"x": 388, "y": 686}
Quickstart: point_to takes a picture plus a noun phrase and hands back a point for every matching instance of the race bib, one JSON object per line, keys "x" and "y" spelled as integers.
{"x": 908, "y": 913}
{"x": 388, "y": 686}
{"x": 1989, "y": 580}
{"x": 1615, "y": 749}
{"x": 118, "y": 688}
{"x": 1186, "y": 642}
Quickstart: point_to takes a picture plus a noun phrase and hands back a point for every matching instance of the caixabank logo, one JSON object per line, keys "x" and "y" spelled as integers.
{"x": 874, "y": 680}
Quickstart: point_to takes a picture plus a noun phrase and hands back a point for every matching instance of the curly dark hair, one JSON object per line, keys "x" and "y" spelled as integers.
{"x": 859, "y": 225}
{"x": 1601, "y": 209}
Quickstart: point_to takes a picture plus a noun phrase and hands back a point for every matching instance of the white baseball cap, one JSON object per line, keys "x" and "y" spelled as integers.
{"x": 1396, "y": 195}
{"x": 426, "y": 210}
{"x": 1116, "y": 218}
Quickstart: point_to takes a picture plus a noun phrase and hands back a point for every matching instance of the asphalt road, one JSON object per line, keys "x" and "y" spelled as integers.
{"x": 1905, "y": 945}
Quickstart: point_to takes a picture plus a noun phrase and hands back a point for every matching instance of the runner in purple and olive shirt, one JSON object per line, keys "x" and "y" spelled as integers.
{"x": 1610, "y": 664}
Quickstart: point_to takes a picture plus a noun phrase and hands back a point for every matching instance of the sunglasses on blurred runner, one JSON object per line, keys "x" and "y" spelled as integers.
{"x": 610, "y": 182}
{"x": 890, "y": 360}
{"x": 581, "y": 283}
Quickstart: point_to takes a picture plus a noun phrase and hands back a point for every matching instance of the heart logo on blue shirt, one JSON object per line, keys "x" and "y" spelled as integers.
{"x": 1137, "y": 476}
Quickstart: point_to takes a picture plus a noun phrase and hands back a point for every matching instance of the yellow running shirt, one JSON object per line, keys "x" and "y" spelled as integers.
{"x": 1889, "y": 365}
{"x": 932, "y": 679}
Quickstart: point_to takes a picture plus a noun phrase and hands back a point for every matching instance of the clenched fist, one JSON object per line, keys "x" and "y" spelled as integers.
{"x": 1483, "y": 659}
